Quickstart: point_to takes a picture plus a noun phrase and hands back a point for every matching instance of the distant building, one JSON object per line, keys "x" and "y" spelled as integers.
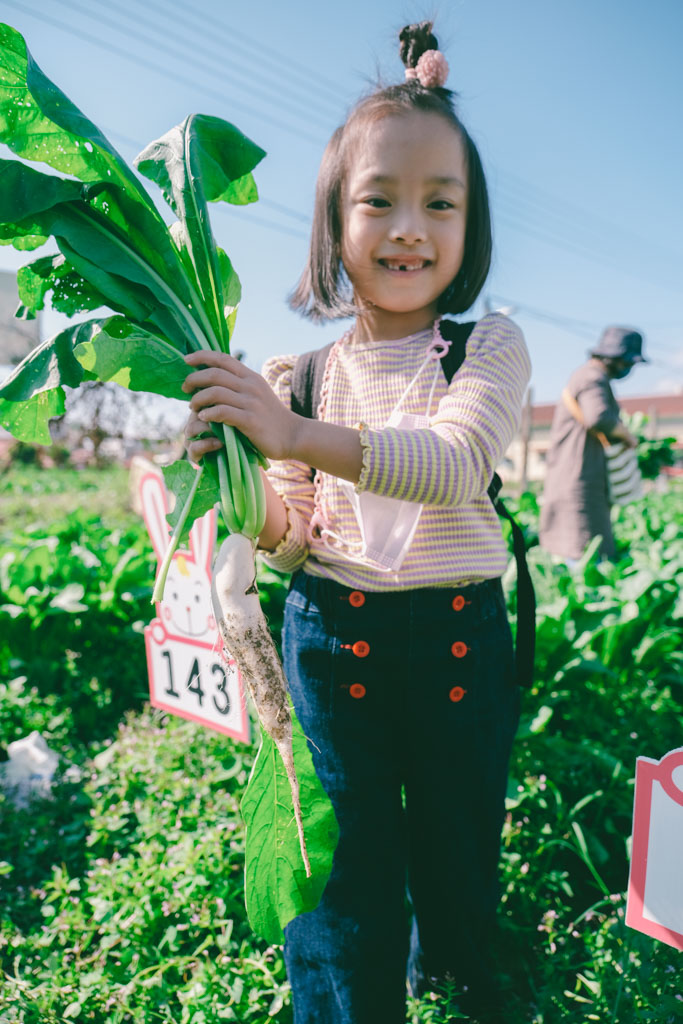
{"x": 17, "y": 337}
{"x": 665, "y": 419}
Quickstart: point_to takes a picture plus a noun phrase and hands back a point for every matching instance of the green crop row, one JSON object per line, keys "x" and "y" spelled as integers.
{"x": 121, "y": 896}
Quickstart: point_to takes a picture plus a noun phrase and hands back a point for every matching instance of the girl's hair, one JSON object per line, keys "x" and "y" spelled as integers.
{"x": 323, "y": 291}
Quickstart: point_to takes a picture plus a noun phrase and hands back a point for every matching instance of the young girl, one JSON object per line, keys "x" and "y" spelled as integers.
{"x": 396, "y": 643}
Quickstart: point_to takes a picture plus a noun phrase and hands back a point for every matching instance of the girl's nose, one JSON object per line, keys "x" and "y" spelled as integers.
{"x": 408, "y": 225}
{"x": 408, "y": 228}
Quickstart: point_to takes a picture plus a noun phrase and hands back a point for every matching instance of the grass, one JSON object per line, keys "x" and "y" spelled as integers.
{"x": 121, "y": 896}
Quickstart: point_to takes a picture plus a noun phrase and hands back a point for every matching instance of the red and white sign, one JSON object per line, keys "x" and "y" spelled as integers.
{"x": 655, "y": 888}
{"x": 188, "y": 673}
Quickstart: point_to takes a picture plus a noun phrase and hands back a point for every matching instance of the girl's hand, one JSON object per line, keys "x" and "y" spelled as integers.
{"x": 199, "y": 440}
{"x": 227, "y": 391}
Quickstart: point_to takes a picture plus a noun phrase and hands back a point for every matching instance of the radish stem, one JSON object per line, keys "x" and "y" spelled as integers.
{"x": 160, "y": 583}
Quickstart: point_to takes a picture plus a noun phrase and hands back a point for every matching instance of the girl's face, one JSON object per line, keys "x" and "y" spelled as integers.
{"x": 404, "y": 211}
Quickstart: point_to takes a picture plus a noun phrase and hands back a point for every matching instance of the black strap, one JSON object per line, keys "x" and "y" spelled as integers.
{"x": 307, "y": 378}
{"x": 307, "y": 381}
{"x": 525, "y": 640}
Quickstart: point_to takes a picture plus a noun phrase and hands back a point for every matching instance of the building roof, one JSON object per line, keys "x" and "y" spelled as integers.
{"x": 663, "y": 407}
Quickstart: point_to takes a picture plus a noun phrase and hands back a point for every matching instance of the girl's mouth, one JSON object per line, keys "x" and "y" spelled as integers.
{"x": 404, "y": 265}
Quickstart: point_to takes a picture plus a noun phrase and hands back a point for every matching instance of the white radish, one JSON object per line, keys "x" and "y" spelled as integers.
{"x": 246, "y": 635}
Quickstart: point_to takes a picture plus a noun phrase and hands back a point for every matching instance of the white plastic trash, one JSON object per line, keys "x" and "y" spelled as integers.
{"x": 30, "y": 768}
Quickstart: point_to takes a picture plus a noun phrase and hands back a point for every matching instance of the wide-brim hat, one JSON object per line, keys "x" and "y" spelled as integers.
{"x": 620, "y": 343}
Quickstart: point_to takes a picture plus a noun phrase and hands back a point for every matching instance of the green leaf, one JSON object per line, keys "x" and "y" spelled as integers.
{"x": 199, "y": 161}
{"x": 277, "y": 889}
{"x": 220, "y": 153}
{"x": 33, "y": 393}
{"x": 137, "y": 359}
{"x": 113, "y": 243}
{"x": 179, "y": 478}
{"x": 241, "y": 192}
{"x": 38, "y": 122}
{"x": 28, "y": 421}
{"x": 71, "y": 293}
{"x": 25, "y": 192}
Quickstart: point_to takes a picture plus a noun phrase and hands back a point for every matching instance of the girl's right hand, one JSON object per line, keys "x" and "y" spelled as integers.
{"x": 199, "y": 440}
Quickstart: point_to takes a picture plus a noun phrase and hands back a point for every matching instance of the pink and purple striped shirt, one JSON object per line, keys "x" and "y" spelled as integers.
{"x": 446, "y": 467}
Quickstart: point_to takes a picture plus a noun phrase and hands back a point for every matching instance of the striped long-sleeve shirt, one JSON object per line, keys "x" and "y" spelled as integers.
{"x": 446, "y": 467}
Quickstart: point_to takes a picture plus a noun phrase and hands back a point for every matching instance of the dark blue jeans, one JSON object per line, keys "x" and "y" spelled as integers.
{"x": 409, "y": 705}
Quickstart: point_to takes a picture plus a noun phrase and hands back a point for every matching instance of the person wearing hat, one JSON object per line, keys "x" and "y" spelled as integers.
{"x": 576, "y": 504}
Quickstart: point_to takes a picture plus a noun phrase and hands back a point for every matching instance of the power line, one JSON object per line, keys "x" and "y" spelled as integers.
{"x": 515, "y": 220}
{"x": 272, "y": 95}
{"x": 549, "y": 236}
{"x": 290, "y": 66}
{"x": 159, "y": 69}
{"x": 579, "y": 328}
{"x": 255, "y": 66}
{"x": 567, "y": 212}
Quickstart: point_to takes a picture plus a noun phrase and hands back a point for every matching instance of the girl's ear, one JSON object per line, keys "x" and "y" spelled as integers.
{"x": 154, "y": 509}
{"x": 203, "y": 539}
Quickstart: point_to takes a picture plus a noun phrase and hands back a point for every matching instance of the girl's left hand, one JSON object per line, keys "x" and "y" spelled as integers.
{"x": 227, "y": 391}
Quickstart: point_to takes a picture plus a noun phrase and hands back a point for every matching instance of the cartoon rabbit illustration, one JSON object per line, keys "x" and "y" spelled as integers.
{"x": 188, "y": 673}
{"x": 185, "y": 610}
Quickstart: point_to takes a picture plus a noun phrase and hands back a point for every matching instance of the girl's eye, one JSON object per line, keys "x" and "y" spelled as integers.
{"x": 441, "y": 204}
{"x": 376, "y": 202}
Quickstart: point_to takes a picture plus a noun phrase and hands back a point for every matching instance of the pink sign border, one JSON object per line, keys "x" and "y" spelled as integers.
{"x": 649, "y": 771}
{"x": 242, "y": 734}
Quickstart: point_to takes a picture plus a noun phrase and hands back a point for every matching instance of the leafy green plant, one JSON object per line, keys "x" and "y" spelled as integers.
{"x": 122, "y": 897}
{"x": 654, "y": 454}
{"x": 173, "y": 291}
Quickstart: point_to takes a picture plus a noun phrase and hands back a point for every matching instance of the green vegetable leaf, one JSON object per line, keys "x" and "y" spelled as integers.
{"x": 179, "y": 478}
{"x": 38, "y": 122}
{"x": 138, "y": 360}
{"x": 33, "y": 393}
{"x": 29, "y": 420}
{"x": 241, "y": 192}
{"x": 71, "y": 293}
{"x": 200, "y": 160}
{"x": 275, "y": 879}
{"x": 138, "y": 268}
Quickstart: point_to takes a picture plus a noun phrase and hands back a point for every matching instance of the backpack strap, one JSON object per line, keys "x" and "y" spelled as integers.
{"x": 457, "y": 334}
{"x": 307, "y": 381}
{"x": 525, "y": 641}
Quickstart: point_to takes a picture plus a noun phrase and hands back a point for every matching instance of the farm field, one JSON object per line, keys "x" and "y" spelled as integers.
{"x": 121, "y": 896}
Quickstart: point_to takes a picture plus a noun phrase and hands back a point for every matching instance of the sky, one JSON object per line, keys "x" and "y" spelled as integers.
{"x": 575, "y": 108}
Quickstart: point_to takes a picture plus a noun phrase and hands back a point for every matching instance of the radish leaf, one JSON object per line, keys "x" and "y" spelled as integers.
{"x": 139, "y": 361}
{"x": 33, "y": 393}
{"x": 179, "y": 478}
{"x": 275, "y": 880}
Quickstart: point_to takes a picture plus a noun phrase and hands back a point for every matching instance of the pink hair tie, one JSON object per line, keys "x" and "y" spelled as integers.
{"x": 431, "y": 69}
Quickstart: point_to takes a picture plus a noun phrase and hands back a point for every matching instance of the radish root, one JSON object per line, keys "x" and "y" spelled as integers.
{"x": 246, "y": 635}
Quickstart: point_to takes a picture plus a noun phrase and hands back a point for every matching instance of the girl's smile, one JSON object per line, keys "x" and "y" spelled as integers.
{"x": 404, "y": 217}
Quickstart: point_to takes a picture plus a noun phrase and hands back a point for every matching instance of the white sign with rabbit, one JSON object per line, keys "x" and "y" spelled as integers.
{"x": 188, "y": 674}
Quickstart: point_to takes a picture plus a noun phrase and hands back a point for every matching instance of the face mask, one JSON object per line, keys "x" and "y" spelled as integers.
{"x": 619, "y": 374}
{"x": 387, "y": 525}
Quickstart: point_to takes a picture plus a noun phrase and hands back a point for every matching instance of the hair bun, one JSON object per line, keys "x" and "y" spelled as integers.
{"x": 414, "y": 40}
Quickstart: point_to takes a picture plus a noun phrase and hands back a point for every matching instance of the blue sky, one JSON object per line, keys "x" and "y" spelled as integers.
{"x": 576, "y": 109}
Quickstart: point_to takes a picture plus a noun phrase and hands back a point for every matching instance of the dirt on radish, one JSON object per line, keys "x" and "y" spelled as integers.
{"x": 245, "y": 634}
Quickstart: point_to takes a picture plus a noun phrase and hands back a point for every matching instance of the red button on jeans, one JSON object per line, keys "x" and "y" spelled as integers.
{"x": 459, "y": 649}
{"x": 457, "y": 694}
{"x": 361, "y": 648}
{"x": 357, "y": 690}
